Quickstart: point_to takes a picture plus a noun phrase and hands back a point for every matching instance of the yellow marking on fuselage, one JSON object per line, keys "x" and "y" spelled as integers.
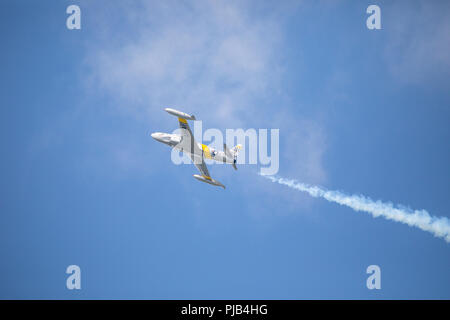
{"x": 206, "y": 177}
{"x": 182, "y": 120}
{"x": 206, "y": 152}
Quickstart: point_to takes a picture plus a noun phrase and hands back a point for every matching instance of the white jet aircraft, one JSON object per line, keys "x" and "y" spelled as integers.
{"x": 198, "y": 152}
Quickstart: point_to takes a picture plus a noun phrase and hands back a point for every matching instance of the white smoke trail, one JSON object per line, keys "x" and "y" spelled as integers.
{"x": 438, "y": 226}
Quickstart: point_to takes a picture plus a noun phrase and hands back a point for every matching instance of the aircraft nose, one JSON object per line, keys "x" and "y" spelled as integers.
{"x": 156, "y": 136}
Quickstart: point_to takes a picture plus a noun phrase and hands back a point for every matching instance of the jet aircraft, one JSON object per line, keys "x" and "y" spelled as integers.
{"x": 186, "y": 143}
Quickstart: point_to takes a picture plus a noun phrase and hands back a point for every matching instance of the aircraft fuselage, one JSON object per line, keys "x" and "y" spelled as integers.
{"x": 183, "y": 144}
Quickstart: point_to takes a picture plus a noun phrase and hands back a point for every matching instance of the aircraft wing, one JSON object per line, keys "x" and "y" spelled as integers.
{"x": 201, "y": 166}
{"x": 184, "y": 126}
{"x": 205, "y": 177}
{"x": 187, "y": 134}
{"x": 196, "y": 153}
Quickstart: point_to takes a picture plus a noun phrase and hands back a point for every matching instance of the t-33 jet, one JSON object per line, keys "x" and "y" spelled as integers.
{"x": 186, "y": 143}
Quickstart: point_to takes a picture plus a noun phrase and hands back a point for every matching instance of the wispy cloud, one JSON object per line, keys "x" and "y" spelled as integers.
{"x": 219, "y": 60}
{"x": 417, "y": 47}
{"x": 438, "y": 226}
{"x": 201, "y": 56}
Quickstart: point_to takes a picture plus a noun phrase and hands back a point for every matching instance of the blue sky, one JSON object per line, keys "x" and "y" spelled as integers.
{"x": 361, "y": 111}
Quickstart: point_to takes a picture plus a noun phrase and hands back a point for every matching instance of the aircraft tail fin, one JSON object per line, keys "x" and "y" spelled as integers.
{"x": 235, "y": 150}
{"x": 232, "y": 153}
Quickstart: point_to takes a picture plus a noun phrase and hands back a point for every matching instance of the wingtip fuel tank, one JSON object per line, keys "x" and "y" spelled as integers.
{"x": 208, "y": 180}
{"x": 180, "y": 114}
